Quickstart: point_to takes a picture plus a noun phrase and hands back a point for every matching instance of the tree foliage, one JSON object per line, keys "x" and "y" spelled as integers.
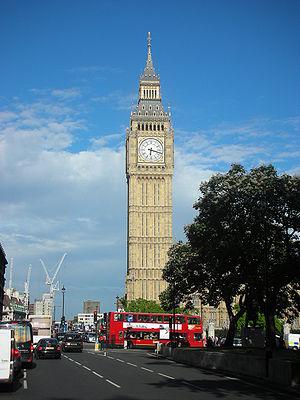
{"x": 243, "y": 246}
{"x": 142, "y": 305}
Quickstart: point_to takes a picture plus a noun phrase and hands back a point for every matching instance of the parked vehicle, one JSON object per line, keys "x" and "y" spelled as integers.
{"x": 48, "y": 348}
{"x": 23, "y": 338}
{"x": 10, "y": 357}
{"x": 237, "y": 342}
{"x": 72, "y": 342}
{"x": 292, "y": 341}
{"x": 59, "y": 336}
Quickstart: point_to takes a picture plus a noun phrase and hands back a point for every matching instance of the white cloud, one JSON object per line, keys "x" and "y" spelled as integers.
{"x": 66, "y": 94}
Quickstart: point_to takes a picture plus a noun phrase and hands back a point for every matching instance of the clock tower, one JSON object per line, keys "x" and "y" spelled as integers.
{"x": 149, "y": 172}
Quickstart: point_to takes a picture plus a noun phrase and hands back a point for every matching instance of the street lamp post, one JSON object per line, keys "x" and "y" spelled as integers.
{"x": 63, "y": 319}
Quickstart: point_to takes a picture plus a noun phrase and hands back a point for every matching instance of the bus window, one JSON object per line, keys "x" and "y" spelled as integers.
{"x": 118, "y": 317}
{"x": 153, "y": 318}
{"x": 193, "y": 320}
{"x": 180, "y": 319}
{"x": 159, "y": 318}
{"x": 167, "y": 318}
{"x": 129, "y": 317}
{"x": 143, "y": 318}
{"x": 197, "y": 336}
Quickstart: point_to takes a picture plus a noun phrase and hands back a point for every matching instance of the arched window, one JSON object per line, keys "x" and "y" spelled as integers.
{"x": 146, "y": 127}
{"x": 154, "y": 127}
{"x": 139, "y": 127}
{"x": 158, "y": 127}
{"x": 162, "y": 127}
{"x": 150, "y": 126}
{"x": 142, "y": 127}
{"x": 144, "y": 92}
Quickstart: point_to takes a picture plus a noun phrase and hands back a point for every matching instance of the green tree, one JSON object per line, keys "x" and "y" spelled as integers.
{"x": 142, "y": 305}
{"x": 243, "y": 245}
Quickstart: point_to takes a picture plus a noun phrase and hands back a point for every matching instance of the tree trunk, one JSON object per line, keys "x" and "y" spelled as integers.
{"x": 270, "y": 328}
{"x": 233, "y": 319}
{"x": 231, "y": 332}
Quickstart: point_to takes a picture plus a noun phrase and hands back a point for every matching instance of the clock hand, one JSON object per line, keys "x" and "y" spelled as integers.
{"x": 159, "y": 152}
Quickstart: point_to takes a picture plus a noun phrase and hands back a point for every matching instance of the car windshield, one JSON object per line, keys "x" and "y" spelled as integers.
{"x": 48, "y": 342}
{"x": 72, "y": 337}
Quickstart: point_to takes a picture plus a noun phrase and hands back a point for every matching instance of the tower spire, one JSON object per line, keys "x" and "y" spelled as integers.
{"x": 149, "y": 71}
{"x": 149, "y": 59}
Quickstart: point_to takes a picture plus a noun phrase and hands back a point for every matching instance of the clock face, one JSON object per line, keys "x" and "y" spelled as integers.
{"x": 151, "y": 149}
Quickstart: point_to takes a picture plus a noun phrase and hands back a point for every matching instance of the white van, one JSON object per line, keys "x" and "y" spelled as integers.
{"x": 292, "y": 341}
{"x": 10, "y": 357}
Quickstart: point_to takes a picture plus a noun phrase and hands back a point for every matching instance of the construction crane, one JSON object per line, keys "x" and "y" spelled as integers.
{"x": 26, "y": 290}
{"x": 11, "y": 268}
{"x": 50, "y": 281}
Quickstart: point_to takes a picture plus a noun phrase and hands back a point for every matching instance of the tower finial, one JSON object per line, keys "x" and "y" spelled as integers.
{"x": 149, "y": 46}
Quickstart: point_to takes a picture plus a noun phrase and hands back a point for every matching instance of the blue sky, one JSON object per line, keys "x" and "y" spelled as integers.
{"x": 69, "y": 77}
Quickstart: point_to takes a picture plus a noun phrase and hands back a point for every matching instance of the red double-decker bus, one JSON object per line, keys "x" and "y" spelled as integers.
{"x": 148, "y": 329}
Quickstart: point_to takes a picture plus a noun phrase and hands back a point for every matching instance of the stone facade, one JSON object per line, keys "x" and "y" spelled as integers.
{"x": 149, "y": 172}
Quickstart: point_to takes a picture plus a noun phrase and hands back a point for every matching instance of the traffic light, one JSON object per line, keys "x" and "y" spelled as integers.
{"x": 95, "y": 316}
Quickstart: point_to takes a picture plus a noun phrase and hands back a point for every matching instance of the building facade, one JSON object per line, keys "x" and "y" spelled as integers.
{"x": 149, "y": 173}
{"x": 89, "y": 306}
{"x": 3, "y": 263}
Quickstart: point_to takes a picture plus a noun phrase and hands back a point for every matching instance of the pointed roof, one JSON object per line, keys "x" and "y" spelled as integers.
{"x": 149, "y": 73}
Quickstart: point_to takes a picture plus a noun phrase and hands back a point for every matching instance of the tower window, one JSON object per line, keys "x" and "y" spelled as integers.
{"x": 146, "y": 127}
{"x": 142, "y": 127}
{"x": 162, "y": 127}
{"x": 154, "y": 127}
{"x": 154, "y": 114}
{"x": 150, "y": 126}
{"x": 144, "y": 108}
{"x": 146, "y": 113}
{"x": 144, "y": 93}
{"x": 139, "y": 127}
{"x": 157, "y": 107}
{"x": 158, "y": 127}
{"x": 150, "y": 107}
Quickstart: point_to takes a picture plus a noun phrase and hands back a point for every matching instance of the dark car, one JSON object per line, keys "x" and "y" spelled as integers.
{"x": 48, "y": 348}
{"x": 60, "y": 336}
{"x": 72, "y": 342}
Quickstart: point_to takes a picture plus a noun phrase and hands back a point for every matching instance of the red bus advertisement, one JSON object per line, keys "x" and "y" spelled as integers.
{"x": 148, "y": 329}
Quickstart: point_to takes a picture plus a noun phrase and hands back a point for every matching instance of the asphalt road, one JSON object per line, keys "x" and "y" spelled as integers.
{"x": 129, "y": 375}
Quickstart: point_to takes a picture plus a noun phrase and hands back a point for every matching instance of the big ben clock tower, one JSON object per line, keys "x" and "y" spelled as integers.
{"x": 149, "y": 172}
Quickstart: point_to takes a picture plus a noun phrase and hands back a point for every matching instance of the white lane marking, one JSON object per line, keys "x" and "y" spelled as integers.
{"x": 25, "y": 374}
{"x": 147, "y": 369}
{"x": 25, "y": 384}
{"x": 166, "y": 376}
{"x": 78, "y": 363}
{"x": 89, "y": 369}
{"x": 232, "y": 378}
{"x": 112, "y": 383}
{"x": 120, "y": 360}
{"x": 112, "y": 358}
{"x": 95, "y": 373}
{"x": 133, "y": 365}
{"x": 90, "y": 352}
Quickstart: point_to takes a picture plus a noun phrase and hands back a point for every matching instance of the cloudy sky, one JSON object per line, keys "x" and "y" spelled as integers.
{"x": 69, "y": 75}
